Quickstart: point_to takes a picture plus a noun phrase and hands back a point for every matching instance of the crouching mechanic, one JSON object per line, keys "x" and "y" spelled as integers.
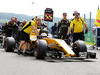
{"x": 26, "y": 30}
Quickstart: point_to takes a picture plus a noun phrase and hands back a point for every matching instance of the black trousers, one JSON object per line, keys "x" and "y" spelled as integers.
{"x": 64, "y": 36}
{"x": 78, "y": 36}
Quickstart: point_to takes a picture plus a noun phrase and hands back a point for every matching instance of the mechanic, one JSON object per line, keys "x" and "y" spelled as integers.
{"x": 53, "y": 29}
{"x": 42, "y": 25}
{"x": 20, "y": 28}
{"x": 23, "y": 23}
{"x": 9, "y": 27}
{"x": 77, "y": 25}
{"x": 63, "y": 26}
{"x": 17, "y": 22}
{"x": 26, "y": 30}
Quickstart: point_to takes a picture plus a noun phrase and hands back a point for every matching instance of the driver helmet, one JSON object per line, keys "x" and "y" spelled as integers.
{"x": 44, "y": 35}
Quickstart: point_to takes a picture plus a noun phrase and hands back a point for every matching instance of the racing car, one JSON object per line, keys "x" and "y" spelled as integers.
{"x": 49, "y": 47}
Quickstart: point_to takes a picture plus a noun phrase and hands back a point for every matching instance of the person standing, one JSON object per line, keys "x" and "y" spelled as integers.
{"x": 77, "y": 26}
{"x": 53, "y": 29}
{"x": 8, "y": 28}
{"x": 63, "y": 26}
{"x": 17, "y": 22}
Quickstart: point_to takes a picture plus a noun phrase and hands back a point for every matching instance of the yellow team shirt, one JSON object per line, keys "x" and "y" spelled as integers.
{"x": 77, "y": 25}
{"x": 27, "y": 28}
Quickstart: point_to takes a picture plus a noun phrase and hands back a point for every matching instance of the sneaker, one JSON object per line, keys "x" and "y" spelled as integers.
{"x": 18, "y": 52}
{"x": 24, "y": 54}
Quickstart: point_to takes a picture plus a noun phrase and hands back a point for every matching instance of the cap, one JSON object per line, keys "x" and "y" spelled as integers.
{"x": 64, "y": 13}
{"x": 76, "y": 12}
{"x": 32, "y": 18}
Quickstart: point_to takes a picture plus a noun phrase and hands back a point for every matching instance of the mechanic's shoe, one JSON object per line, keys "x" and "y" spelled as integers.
{"x": 24, "y": 54}
{"x": 18, "y": 52}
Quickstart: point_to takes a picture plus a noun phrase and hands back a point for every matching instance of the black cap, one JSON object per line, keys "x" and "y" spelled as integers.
{"x": 64, "y": 13}
{"x": 32, "y": 18}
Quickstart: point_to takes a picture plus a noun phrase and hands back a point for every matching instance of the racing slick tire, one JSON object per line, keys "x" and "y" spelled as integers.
{"x": 9, "y": 44}
{"x": 40, "y": 49}
{"x": 79, "y": 46}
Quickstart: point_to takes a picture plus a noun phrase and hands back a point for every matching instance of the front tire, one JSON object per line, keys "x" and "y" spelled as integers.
{"x": 79, "y": 46}
{"x": 40, "y": 49}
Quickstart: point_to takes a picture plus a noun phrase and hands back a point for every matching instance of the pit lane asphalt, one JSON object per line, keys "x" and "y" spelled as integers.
{"x": 13, "y": 64}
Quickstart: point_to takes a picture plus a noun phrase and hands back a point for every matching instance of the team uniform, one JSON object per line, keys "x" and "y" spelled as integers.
{"x": 9, "y": 28}
{"x": 26, "y": 30}
{"x": 77, "y": 26}
{"x": 18, "y": 23}
{"x": 63, "y": 26}
{"x": 22, "y": 25}
{"x": 41, "y": 26}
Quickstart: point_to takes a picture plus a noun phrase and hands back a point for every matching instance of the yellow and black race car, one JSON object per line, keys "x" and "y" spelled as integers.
{"x": 48, "y": 47}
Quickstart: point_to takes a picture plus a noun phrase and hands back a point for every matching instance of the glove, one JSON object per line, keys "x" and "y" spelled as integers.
{"x": 86, "y": 31}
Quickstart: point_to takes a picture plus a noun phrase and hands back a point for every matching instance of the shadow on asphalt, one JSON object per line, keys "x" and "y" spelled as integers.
{"x": 58, "y": 60}
{"x": 53, "y": 60}
{"x": 72, "y": 60}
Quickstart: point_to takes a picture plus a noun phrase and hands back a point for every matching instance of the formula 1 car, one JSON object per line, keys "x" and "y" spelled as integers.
{"x": 49, "y": 47}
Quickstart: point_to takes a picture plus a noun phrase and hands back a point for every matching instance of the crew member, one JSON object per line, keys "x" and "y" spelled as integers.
{"x": 9, "y": 27}
{"x": 23, "y": 23}
{"x": 63, "y": 26}
{"x": 17, "y": 22}
{"x": 42, "y": 25}
{"x": 26, "y": 30}
{"x": 77, "y": 25}
{"x": 53, "y": 29}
